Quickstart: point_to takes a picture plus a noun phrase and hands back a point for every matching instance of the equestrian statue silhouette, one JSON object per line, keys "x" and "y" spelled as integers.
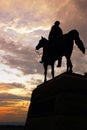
{"x": 62, "y": 46}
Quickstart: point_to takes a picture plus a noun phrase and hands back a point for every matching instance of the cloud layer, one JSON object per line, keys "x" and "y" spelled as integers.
{"x": 22, "y": 23}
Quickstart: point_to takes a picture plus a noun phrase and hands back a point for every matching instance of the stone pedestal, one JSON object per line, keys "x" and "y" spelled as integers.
{"x": 59, "y": 104}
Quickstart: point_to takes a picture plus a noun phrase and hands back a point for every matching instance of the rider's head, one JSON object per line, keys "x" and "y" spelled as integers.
{"x": 57, "y": 23}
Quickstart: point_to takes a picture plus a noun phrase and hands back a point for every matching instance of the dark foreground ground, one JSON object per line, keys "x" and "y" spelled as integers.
{"x": 8, "y": 127}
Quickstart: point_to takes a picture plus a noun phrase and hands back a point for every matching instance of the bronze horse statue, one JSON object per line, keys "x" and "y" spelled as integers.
{"x": 63, "y": 46}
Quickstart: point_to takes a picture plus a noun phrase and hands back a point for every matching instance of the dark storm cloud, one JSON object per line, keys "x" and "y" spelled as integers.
{"x": 20, "y": 57}
{"x": 8, "y": 96}
{"x": 17, "y": 85}
{"x": 11, "y": 103}
{"x": 7, "y": 103}
{"x": 75, "y": 17}
{"x": 8, "y": 86}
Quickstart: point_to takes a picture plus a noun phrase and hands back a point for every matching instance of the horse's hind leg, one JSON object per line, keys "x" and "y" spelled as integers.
{"x": 52, "y": 71}
{"x": 69, "y": 66}
{"x": 59, "y": 62}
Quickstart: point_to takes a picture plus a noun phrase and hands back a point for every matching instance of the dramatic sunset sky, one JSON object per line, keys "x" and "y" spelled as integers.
{"x": 22, "y": 23}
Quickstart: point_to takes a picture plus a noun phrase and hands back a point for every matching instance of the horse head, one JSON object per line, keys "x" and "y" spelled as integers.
{"x": 42, "y": 43}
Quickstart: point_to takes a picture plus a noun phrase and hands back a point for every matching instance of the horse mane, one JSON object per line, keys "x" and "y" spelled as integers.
{"x": 44, "y": 38}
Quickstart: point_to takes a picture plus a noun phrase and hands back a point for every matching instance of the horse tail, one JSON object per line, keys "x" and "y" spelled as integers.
{"x": 80, "y": 44}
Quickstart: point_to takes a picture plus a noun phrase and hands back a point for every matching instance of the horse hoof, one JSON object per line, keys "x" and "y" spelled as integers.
{"x": 69, "y": 72}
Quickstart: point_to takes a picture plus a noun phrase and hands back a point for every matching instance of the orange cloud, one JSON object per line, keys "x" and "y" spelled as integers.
{"x": 17, "y": 112}
{"x": 14, "y": 102}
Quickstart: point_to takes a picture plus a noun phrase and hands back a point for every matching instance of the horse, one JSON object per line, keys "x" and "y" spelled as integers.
{"x": 62, "y": 46}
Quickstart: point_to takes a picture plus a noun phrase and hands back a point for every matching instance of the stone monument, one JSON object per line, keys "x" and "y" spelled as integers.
{"x": 59, "y": 104}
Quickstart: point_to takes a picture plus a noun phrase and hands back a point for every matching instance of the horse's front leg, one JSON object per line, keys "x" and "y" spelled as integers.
{"x": 45, "y": 72}
{"x": 52, "y": 71}
{"x": 67, "y": 66}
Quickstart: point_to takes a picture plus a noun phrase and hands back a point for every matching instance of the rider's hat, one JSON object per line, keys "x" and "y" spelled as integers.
{"x": 57, "y": 22}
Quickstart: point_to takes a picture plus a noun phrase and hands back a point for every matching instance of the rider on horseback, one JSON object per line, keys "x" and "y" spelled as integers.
{"x": 55, "y": 32}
